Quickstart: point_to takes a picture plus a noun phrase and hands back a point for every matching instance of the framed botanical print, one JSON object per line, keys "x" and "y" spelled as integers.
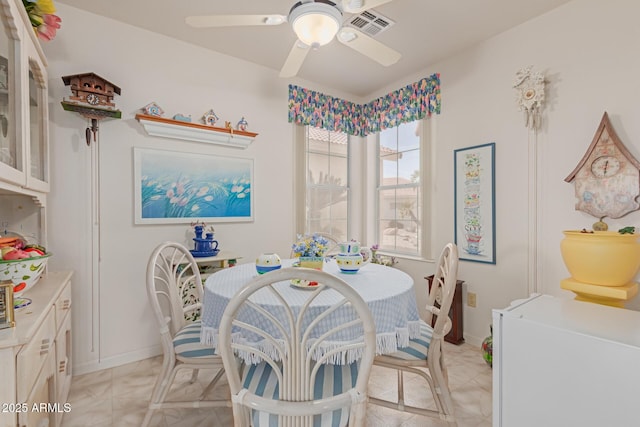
{"x": 474, "y": 200}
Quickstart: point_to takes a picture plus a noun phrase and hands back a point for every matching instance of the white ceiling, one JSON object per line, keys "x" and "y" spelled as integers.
{"x": 425, "y": 32}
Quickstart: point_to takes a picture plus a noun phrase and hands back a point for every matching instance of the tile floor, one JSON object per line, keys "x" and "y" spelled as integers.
{"x": 118, "y": 397}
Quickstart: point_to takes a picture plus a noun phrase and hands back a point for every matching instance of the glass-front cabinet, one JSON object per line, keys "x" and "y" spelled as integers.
{"x": 24, "y": 152}
{"x": 37, "y": 135}
{"x": 11, "y": 153}
{"x": 24, "y": 146}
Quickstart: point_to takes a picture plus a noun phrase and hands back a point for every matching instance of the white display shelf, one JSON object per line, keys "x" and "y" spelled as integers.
{"x": 168, "y": 128}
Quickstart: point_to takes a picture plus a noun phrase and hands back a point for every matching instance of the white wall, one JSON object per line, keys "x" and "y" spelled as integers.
{"x": 112, "y": 323}
{"x": 586, "y": 48}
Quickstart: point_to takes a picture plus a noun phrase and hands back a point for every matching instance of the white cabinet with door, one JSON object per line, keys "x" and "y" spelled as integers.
{"x": 561, "y": 362}
{"x": 35, "y": 357}
{"x": 24, "y": 148}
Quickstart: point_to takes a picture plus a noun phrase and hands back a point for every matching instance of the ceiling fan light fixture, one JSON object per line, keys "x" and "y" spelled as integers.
{"x": 315, "y": 23}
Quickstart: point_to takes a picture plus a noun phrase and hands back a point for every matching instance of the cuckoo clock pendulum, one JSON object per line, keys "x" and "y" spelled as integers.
{"x": 91, "y": 97}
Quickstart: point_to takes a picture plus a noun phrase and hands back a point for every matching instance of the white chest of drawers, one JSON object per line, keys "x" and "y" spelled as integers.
{"x": 35, "y": 357}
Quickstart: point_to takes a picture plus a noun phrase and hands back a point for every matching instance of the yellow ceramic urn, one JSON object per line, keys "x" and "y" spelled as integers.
{"x": 602, "y": 265}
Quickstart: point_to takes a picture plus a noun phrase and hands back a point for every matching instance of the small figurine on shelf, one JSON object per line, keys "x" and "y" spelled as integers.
{"x": 210, "y": 118}
{"x": 227, "y": 125}
{"x": 182, "y": 118}
{"x": 242, "y": 124}
{"x": 153, "y": 109}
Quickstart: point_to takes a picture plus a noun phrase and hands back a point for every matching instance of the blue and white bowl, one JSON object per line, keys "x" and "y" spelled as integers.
{"x": 268, "y": 262}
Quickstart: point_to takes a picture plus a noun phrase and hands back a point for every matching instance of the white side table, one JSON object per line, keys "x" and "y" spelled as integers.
{"x": 210, "y": 264}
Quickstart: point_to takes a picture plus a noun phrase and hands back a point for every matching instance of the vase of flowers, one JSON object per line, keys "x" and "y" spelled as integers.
{"x": 310, "y": 250}
{"x": 386, "y": 260}
{"x": 43, "y": 19}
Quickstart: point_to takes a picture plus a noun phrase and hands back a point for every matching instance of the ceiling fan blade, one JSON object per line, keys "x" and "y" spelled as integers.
{"x": 234, "y": 20}
{"x": 295, "y": 59}
{"x": 367, "y": 46}
{"x": 359, "y": 6}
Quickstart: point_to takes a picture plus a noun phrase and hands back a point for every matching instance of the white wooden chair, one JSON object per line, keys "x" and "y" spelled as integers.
{"x": 426, "y": 351}
{"x": 174, "y": 288}
{"x": 286, "y": 386}
{"x": 332, "y": 247}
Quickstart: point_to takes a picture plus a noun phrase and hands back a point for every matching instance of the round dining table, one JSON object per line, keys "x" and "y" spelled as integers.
{"x": 388, "y": 292}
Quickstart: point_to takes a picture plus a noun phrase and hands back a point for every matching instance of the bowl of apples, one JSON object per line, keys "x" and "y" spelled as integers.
{"x": 22, "y": 264}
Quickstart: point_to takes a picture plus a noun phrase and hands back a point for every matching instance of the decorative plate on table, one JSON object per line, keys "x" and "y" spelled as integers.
{"x": 21, "y": 302}
{"x": 200, "y": 254}
{"x": 303, "y": 284}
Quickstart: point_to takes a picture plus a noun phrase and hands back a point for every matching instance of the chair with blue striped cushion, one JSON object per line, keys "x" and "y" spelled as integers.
{"x": 292, "y": 380}
{"x": 174, "y": 288}
{"x": 423, "y": 356}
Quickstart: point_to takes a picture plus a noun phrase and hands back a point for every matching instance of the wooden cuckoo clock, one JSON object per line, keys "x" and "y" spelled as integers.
{"x": 607, "y": 179}
{"x": 92, "y": 97}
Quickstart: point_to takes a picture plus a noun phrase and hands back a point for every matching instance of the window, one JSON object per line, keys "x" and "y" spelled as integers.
{"x": 388, "y": 203}
{"x": 326, "y": 160}
{"x": 400, "y": 207}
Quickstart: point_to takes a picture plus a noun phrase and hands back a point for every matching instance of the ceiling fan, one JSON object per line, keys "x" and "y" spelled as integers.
{"x": 316, "y": 23}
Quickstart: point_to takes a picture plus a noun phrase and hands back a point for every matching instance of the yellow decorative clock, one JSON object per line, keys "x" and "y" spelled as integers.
{"x": 607, "y": 179}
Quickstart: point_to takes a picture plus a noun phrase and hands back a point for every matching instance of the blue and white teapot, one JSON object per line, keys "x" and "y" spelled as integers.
{"x": 350, "y": 258}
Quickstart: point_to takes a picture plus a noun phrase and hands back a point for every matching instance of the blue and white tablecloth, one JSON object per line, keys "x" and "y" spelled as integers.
{"x": 387, "y": 291}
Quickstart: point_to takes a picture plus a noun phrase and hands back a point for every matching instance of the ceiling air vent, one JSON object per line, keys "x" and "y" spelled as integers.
{"x": 370, "y": 22}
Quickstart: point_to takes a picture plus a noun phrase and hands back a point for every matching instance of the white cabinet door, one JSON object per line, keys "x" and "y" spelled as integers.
{"x": 12, "y": 153}
{"x": 63, "y": 361}
{"x": 560, "y": 362}
{"x": 24, "y": 124}
{"x": 36, "y": 111}
{"x": 32, "y": 356}
{"x": 39, "y": 412}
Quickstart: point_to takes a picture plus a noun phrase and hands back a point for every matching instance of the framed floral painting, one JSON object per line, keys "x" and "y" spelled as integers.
{"x": 175, "y": 187}
{"x": 475, "y": 219}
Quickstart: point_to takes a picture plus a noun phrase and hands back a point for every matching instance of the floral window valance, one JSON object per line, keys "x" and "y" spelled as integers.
{"x": 412, "y": 102}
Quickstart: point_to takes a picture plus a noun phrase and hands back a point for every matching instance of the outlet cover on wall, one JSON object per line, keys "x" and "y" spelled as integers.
{"x": 471, "y": 299}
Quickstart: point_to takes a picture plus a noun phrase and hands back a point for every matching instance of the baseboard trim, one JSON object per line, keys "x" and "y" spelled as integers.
{"x": 112, "y": 362}
{"x": 474, "y": 341}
